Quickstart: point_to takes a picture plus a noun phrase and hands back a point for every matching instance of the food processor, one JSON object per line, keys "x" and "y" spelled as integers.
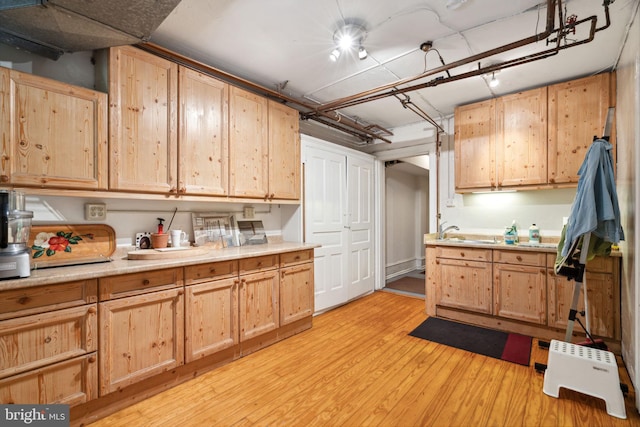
{"x": 15, "y": 226}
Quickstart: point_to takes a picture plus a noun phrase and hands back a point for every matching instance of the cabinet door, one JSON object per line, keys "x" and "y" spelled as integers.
{"x": 521, "y": 138}
{"x": 284, "y": 152}
{"x": 140, "y": 336}
{"x": 143, "y": 121}
{"x": 577, "y": 113}
{"x": 35, "y": 341}
{"x": 464, "y": 284}
{"x": 204, "y": 135}
{"x": 520, "y": 292}
{"x": 70, "y": 382}
{"x": 258, "y": 304}
{"x": 54, "y": 134}
{"x": 211, "y": 318}
{"x": 600, "y": 293}
{"x": 475, "y": 161}
{"x": 248, "y": 145}
{"x": 296, "y": 293}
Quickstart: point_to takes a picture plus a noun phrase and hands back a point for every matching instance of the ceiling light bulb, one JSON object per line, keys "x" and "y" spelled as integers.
{"x": 334, "y": 55}
{"x": 494, "y": 82}
{"x": 346, "y": 42}
{"x": 362, "y": 53}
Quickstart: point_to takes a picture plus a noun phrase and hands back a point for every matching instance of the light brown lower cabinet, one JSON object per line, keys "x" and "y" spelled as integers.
{"x": 524, "y": 293}
{"x": 140, "y": 335}
{"x": 464, "y": 275}
{"x": 211, "y": 308}
{"x": 602, "y": 293}
{"x": 156, "y": 327}
{"x": 72, "y": 382}
{"x": 49, "y": 355}
{"x": 520, "y": 286}
{"x": 259, "y": 303}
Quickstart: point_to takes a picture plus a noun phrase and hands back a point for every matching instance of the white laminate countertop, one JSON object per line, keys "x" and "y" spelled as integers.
{"x": 121, "y": 265}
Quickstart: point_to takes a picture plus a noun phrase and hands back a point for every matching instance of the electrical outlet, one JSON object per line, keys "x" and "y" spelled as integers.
{"x": 95, "y": 211}
{"x": 248, "y": 212}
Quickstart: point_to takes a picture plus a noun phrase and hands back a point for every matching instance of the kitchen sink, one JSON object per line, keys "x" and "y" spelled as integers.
{"x": 472, "y": 241}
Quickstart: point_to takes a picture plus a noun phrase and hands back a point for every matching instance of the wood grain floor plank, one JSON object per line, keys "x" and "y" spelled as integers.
{"x": 358, "y": 366}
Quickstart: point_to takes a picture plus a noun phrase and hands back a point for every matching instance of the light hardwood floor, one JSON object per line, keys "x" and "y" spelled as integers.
{"x": 358, "y": 367}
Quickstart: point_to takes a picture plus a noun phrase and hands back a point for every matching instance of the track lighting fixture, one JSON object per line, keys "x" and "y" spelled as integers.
{"x": 349, "y": 38}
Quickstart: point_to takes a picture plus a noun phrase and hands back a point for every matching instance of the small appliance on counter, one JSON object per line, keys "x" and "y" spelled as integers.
{"x": 15, "y": 226}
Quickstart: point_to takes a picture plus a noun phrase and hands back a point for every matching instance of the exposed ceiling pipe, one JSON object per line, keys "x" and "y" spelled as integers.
{"x": 561, "y": 31}
{"x": 485, "y": 70}
{"x": 551, "y": 7}
{"x": 340, "y": 121}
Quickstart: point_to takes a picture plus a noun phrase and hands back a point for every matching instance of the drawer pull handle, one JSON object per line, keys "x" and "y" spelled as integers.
{"x": 47, "y": 340}
{"x": 24, "y": 300}
{"x": 145, "y": 282}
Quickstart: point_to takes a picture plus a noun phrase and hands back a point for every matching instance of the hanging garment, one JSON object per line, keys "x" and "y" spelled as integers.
{"x": 595, "y": 208}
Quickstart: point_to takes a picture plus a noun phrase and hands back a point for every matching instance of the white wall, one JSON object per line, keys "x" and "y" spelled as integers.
{"x": 490, "y": 213}
{"x": 628, "y": 183}
{"x": 129, "y": 216}
{"x": 406, "y": 219}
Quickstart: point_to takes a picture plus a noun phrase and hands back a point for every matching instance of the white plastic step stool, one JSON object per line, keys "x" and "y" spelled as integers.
{"x": 586, "y": 370}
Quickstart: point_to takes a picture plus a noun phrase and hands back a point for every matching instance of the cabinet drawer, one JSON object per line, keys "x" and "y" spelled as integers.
{"x": 474, "y": 254}
{"x": 520, "y": 258}
{"x": 600, "y": 264}
{"x": 23, "y": 302}
{"x": 293, "y": 258}
{"x": 71, "y": 382}
{"x": 34, "y": 341}
{"x": 139, "y": 283}
{"x": 214, "y": 270}
{"x": 259, "y": 263}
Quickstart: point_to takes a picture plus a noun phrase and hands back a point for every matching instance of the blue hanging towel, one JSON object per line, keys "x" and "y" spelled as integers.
{"x": 595, "y": 208}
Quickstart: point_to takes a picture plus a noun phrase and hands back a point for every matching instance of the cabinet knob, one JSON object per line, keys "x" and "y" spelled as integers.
{"x": 4, "y": 178}
{"x": 145, "y": 282}
{"x": 92, "y": 310}
{"x": 23, "y": 300}
{"x": 91, "y": 359}
{"x": 212, "y": 270}
{"x": 461, "y": 254}
{"x": 519, "y": 258}
{"x": 47, "y": 340}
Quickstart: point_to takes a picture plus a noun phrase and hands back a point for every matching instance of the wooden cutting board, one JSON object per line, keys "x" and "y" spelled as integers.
{"x": 68, "y": 244}
{"x": 168, "y": 253}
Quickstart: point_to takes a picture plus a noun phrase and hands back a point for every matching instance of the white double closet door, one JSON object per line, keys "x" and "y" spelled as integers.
{"x": 339, "y": 206}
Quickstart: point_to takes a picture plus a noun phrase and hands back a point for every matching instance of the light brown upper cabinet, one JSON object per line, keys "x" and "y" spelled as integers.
{"x": 475, "y": 145}
{"x": 248, "y": 147}
{"x": 203, "y": 147}
{"x": 264, "y": 148}
{"x": 577, "y": 113}
{"x": 284, "y": 152}
{"x": 143, "y": 134}
{"x": 54, "y": 134}
{"x": 521, "y": 138}
{"x": 530, "y": 140}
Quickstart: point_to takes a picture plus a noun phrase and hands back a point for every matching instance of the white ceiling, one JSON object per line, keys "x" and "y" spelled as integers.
{"x": 272, "y": 42}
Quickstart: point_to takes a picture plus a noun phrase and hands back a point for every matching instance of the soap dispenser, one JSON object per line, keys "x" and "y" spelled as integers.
{"x": 160, "y": 225}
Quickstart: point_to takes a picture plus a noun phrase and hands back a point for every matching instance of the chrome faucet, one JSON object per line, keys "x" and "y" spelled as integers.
{"x": 442, "y": 231}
